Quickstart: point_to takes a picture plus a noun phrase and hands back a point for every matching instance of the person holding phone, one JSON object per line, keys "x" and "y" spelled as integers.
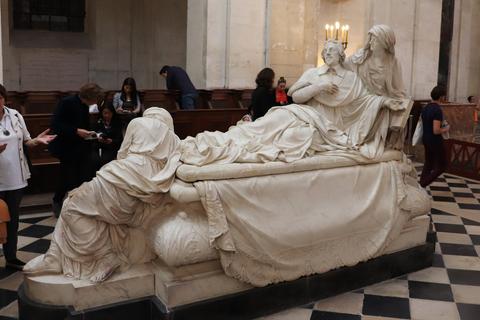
{"x": 71, "y": 123}
{"x": 14, "y": 171}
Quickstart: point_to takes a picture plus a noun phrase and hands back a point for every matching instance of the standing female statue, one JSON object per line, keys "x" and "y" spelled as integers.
{"x": 377, "y": 65}
{"x": 381, "y": 73}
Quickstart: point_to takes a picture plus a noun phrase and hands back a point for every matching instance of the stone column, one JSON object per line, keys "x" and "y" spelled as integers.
{"x": 225, "y": 42}
{"x": 464, "y": 77}
{"x": 3, "y": 35}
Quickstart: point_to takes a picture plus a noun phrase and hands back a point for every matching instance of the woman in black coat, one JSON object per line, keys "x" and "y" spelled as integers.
{"x": 263, "y": 97}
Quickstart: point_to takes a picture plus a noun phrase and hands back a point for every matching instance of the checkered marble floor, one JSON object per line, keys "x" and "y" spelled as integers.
{"x": 449, "y": 290}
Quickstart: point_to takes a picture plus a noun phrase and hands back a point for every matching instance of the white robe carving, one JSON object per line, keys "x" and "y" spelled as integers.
{"x": 98, "y": 225}
{"x": 344, "y": 121}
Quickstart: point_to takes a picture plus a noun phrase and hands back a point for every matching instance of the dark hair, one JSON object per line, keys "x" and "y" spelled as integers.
{"x": 265, "y": 78}
{"x": 164, "y": 69}
{"x": 3, "y": 92}
{"x": 281, "y": 80}
{"x": 90, "y": 91}
{"x": 438, "y": 92}
{"x": 110, "y": 107}
{"x": 470, "y": 99}
{"x": 130, "y": 82}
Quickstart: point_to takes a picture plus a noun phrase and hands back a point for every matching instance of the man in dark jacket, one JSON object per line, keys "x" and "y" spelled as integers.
{"x": 71, "y": 125}
{"x": 177, "y": 79}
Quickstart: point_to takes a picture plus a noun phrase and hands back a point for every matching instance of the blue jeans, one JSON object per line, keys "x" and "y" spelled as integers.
{"x": 188, "y": 101}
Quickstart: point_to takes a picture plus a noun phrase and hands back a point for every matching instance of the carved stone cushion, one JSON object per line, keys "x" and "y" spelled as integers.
{"x": 191, "y": 173}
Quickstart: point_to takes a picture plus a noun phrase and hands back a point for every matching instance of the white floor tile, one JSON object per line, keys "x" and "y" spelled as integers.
{"x": 466, "y": 294}
{"x": 436, "y": 275}
{"x": 296, "y": 313}
{"x": 457, "y": 238}
{"x": 433, "y": 310}
{"x": 446, "y": 219}
{"x": 391, "y": 288}
{"x": 351, "y": 303}
{"x": 461, "y": 262}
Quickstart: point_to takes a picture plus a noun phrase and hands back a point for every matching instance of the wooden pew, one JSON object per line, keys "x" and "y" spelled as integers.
{"x": 41, "y": 102}
{"x": 225, "y": 99}
{"x": 15, "y": 100}
{"x": 204, "y": 99}
{"x": 191, "y": 122}
{"x": 245, "y": 98}
{"x": 161, "y": 98}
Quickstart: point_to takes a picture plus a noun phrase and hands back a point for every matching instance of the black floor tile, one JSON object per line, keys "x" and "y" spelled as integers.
{"x": 475, "y": 239}
{"x": 386, "y": 306}
{"x": 440, "y": 212}
{"x": 453, "y": 228}
{"x": 466, "y": 277}
{"x": 471, "y": 206}
{"x": 39, "y": 246}
{"x": 36, "y": 231}
{"x": 449, "y": 176}
{"x": 463, "y": 195}
{"x": 468, "y": 311}
{"x": 443, "y": 199}
{"x": 7, "y": 297}
{"x": 458, "y": 249}
{"x": 475, "y": 190}
{"x": 469, "y": 222}
{"x": 457, "y": 185}
{"x": 33, "y": 220}
{"x": 324, "y": 315}
{"x": 430, "y": 291}
{"x": 438, "y": 261}
{"x": 6, "y": 272}
{"x": 435, "y": 188}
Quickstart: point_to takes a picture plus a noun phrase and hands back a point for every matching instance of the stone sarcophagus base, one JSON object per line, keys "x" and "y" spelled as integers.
{"x": 203, "y": 291}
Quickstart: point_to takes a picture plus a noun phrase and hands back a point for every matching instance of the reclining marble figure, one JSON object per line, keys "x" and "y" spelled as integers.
{"x": 307, "y": 188}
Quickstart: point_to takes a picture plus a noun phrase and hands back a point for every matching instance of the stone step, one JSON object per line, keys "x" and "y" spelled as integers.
{"x": 36, "y": 203}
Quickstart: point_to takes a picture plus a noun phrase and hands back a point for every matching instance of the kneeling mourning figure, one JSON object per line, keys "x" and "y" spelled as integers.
{"x": 307, "y": 188}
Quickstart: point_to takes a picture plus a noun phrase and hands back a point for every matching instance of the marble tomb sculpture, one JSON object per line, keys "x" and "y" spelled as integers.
{"x": 307, "y": 188}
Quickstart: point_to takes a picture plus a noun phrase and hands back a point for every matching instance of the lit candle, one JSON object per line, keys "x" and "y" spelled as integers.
{"x": 346, "y": 32}
{"x": 343, "y": 34}
{"x": 326, "y": 32}
{"x": 337, "y": 26}
{"x": 331, "y": 31}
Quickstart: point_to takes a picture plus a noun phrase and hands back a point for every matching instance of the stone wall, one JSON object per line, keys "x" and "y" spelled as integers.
{"x": 122, "y": 38}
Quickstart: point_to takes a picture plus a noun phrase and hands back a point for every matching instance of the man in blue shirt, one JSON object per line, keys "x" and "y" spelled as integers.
{"x": 433, "y": 128}
{"x": 177, "y": 79}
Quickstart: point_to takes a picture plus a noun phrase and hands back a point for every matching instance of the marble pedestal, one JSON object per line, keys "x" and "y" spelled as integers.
{"x": 202, "y": 291}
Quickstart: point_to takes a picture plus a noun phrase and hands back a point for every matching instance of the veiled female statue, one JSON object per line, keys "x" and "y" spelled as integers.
{"x": 377, "y": 65}
{"x": 97, "y": 229}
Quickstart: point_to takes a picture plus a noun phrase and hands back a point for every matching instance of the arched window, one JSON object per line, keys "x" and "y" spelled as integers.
{"x": 53, "y": 15}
